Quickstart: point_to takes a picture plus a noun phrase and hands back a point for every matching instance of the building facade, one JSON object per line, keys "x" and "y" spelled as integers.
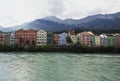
{"x": 31, "y": 37}
{"x": 2, "y": 38}
{"x": 62, "y": 39}
{"x": 118, "y": 40}
{"x": 92, "y": 40}
{"x": 55, "y": 39}
{"x": 103, "y": 40}
{"x": 50, "y": 38}
{"x": 20, "y": 37}
{"x": 97, "y": 40}
{"x": 12, "y": 38}
{"x": 25, "y": 37}
{"x": 111, "y": 41}
{"x": 41, "y": 38}
{"x": 7, "y": 38}
{"x": 84, "y": 38}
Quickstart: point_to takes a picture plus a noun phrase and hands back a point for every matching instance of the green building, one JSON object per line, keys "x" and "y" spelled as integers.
{"x": 92, "y": 40}
{"x": 50, "y": 38}
{"x": 111, "y": 41}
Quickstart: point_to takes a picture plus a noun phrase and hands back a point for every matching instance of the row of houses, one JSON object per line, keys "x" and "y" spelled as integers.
{"x": 41, "y": 37}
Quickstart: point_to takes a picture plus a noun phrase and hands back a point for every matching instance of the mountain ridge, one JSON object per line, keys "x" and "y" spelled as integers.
{"x": 53, "y": 24}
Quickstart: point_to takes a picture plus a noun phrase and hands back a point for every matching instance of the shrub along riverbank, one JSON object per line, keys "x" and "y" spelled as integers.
{"x": 47, "y": 48}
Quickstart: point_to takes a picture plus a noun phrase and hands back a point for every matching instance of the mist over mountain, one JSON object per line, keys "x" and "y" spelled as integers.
{"x": 100, "y": 22}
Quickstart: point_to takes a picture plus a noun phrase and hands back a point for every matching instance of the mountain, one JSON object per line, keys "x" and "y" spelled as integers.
{"x": 43, "y": 24}
{"x": 53, "y": 19}
{"x": 87, "y": 19}
{"x": 100, "y": 22}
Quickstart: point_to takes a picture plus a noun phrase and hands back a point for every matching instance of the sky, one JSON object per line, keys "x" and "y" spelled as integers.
{"x": 16, "y": 12}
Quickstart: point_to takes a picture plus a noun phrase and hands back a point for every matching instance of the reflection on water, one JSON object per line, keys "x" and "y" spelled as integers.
{"x": 58, "y": 67}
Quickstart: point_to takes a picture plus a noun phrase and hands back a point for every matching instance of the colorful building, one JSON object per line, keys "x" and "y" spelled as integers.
{"x": 97, "y": 40}
{"x": 41, "y": 38}
{"x": 55, "y": 39}
{"x": 25, "y": 37}
{"x": 118, "y": 40}
{"x": 103, "y": 40}
{"x": 31, "y": 37}
{"x": 73, "y": 37}
{"x": 111, "y": 41}
{"x": 20, "y": 37}
{"x": 50, "y": 38}
{"x": 84, "y": 38}
{"x": 92, "y": 40}
{"x": 62, "y": 39}
{"x": 2, "y": 38}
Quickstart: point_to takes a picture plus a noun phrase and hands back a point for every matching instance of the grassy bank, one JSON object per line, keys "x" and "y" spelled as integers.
{"x": 47, "y": 48}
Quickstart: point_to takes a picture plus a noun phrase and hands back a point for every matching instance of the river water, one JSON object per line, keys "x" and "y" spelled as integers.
{"x": 59, "y": 67}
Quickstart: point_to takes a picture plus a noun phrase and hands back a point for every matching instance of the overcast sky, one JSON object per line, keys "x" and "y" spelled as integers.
{"x": 15, "y": 12}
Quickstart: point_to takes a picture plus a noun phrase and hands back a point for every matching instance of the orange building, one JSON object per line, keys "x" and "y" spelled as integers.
{"x": 25, "y": 37}
{"x": 31, "y": 37}
{"x": 118, "y": 40}
{"x": 55, "y": 37}
{"x": 84, "y": 38}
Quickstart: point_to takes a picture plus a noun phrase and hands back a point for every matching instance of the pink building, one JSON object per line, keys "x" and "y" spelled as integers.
{"x": 84, "y": 38}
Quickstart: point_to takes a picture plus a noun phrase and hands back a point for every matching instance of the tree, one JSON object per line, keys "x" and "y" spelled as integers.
{"x": 69, "y": 39}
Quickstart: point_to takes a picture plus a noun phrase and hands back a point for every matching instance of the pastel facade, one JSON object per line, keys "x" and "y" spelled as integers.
{"x": 97, "y": 40}
{"x": 50, "y": 38}
{"x": 111, "y": 41}
{"x": 84, "y": 38}
{"x": 62, "y": 39}
{"x": 103, "y": 40}
{"x": 41, "y": 38}
{"x": 92, "y": 40}
{"x": 32, "y": 37}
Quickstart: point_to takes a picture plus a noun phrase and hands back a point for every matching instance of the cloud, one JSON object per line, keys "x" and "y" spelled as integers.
{"x": 14, "y": 12}
{"x": 57, "y": 7}
{"x": 82, "y": 8}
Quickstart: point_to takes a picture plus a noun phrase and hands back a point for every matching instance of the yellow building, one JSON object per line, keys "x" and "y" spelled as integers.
{"x": 97, "y": 40}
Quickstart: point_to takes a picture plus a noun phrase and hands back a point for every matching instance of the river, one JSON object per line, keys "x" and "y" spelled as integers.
{"x": 59, "y": 67}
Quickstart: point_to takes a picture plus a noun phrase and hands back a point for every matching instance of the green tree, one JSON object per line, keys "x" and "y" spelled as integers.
{"x": 69, "y": 39}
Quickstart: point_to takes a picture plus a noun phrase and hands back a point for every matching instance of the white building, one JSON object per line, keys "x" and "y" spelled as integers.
{"x": 41, "y": 38}
{"x": 12, "y": 38}
{"x": 62, "y": 39}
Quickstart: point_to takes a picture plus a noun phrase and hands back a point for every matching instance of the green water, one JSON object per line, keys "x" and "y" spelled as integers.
{"x": 59, "y": 67}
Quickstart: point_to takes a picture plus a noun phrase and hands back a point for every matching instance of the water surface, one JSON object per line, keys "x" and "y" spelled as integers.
{"x": 59, "y": 67}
